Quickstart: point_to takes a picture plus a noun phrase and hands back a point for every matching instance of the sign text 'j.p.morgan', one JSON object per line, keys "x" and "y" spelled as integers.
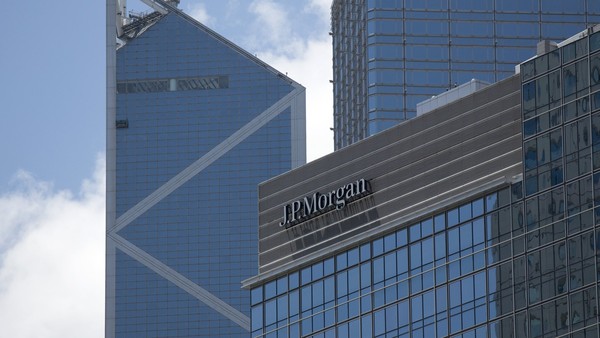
{"x": 310, "y": 206}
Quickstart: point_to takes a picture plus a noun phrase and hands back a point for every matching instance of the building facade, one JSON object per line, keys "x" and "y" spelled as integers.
{"x": 194, "y": 123}
{"x": 389, "y": 55}
{"x": 481, "y": 219}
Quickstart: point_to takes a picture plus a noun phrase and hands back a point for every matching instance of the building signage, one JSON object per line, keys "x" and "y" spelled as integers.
{"x": 311, "y": 206}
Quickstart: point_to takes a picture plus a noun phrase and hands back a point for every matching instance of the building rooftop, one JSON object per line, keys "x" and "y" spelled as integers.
{"x": 451, "y": 95}
{"x": 140, "y": 22}
{"x": 468, "y": 145}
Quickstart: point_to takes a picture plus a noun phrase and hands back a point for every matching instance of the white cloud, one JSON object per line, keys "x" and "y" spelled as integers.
{"x": 231, "y": 7}
{"x": 52, "y": 242}
{"x": 272, "y": 22}
{"x": 307, "y": 61}
{"x": 321, "y": 7}
{"x": 52, "y": 265}
{"x": 311, "y": 66}
{"x": 198, "y": 11}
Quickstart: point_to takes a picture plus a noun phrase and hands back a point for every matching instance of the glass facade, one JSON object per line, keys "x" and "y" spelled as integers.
{"x": 200, "y": 124}
{"x": 389, "y": 55}
{"x": 520, "y": 261}
{"x": 450, "y": 274}
{"x": 561, "y": 129}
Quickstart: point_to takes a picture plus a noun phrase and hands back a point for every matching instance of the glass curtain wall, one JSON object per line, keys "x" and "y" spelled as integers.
{"x": 390, "y": 55}
{"x": 200, "y": 124}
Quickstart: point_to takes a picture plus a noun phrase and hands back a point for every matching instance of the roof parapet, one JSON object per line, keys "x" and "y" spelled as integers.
{"x": 546, "y": 46}
{"x": 450, "y": 95}
{"x": 140, "y": 23}
{"x": 541, "y": 51}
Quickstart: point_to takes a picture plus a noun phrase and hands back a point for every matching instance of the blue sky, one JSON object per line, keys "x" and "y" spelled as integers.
{"x": 53, "y": 136}
{"x": 52, "y": 90}
{"x": 53, "y": 74}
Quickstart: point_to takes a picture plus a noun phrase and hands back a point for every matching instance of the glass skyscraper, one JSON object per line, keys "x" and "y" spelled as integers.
{"x": 194, "y": 123}
{"x": 482, "y": 219}
{"x": 389, "y": 55}
{"x": 561, "y": 132}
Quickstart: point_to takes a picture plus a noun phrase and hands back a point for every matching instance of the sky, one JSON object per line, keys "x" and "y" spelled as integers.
{"x": 52, "y": 135}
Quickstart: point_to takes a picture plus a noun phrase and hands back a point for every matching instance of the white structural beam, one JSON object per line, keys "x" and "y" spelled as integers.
{"x": 121, "y": 9}
{"x": 206, "y": 160}
{"x": 180, "y": 280}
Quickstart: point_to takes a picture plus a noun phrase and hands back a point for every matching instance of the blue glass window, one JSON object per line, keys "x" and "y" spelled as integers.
{"x": 270, "y": 289}
{"x": 256, "y": 295}
{"x": 452, "y": 217}
{"x": 401, "y": 237}
{"x": 365, "y": 252}
{"x": 306, "y": 274}
{"x": 257, "y": 317}
{"x": 595, "y": 41}
{"x": 440, "y": 222}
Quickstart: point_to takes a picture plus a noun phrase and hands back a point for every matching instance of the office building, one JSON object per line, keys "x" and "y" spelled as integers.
{"x": 194, "y": 123}
{"x": 389, "y": 55}
{"x": 480, "y": 218}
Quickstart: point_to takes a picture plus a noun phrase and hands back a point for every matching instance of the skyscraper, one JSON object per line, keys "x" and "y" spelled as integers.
{"x": 194, "y": 123}
{"x": 479, "y": 219}
{"x": 389, "y": 55}
{"x": 387, "y": 260}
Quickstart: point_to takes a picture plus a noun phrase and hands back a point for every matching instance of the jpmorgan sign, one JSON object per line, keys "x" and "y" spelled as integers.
{"x": 311, "y": 206}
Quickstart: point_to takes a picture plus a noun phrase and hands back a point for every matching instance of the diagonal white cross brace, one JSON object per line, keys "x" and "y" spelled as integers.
{"x": 181, "y": 281}
{"x": 203, "y": 162}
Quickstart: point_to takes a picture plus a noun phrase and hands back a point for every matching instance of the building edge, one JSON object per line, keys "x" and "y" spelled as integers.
{"x": 111, "y": 113}
{"x": 298, "y": 111}
{"x": 297, "y": 107}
